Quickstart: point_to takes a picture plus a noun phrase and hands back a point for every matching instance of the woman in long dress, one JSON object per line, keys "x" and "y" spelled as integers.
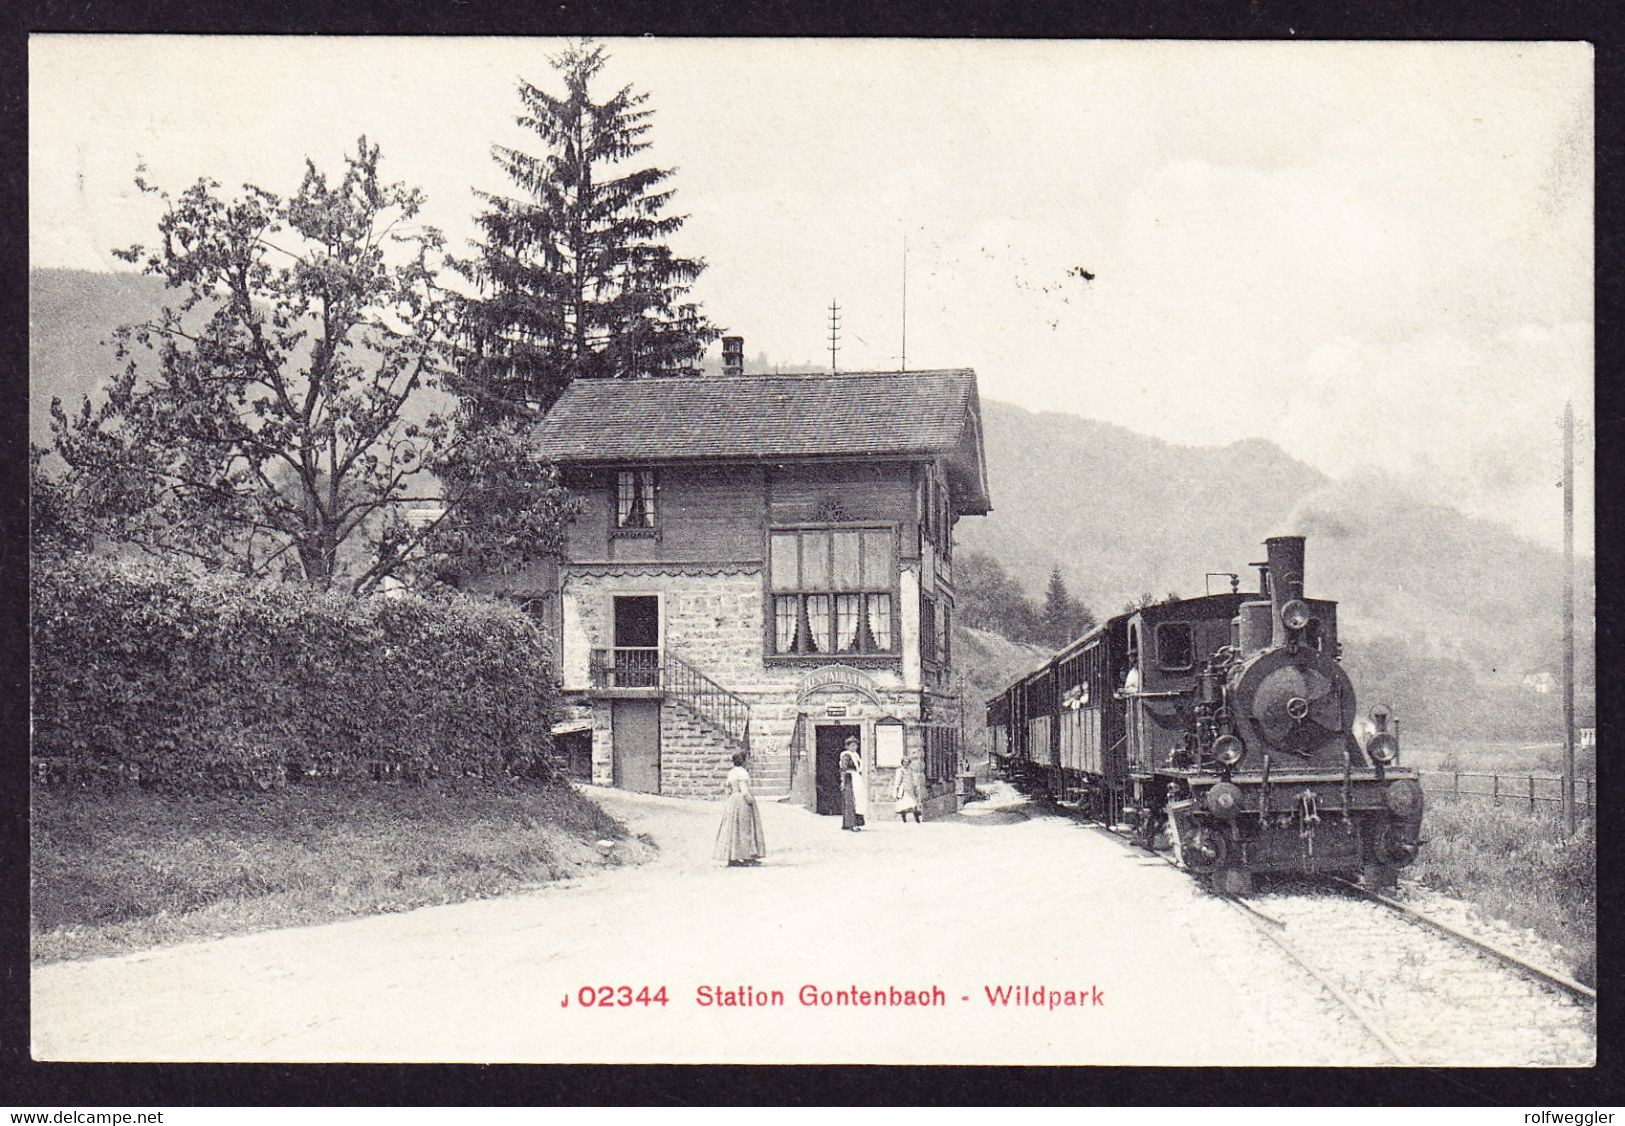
{"x": 739, "y": 838}
{"x": 854, "y": 794}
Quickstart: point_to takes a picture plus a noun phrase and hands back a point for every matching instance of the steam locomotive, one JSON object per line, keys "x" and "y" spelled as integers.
{"x": 1222, "y": 728}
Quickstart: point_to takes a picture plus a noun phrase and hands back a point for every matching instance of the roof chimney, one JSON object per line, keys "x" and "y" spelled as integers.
{"x": 733, "y": 355}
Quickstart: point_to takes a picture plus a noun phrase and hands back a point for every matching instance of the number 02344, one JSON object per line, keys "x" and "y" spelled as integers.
{"x": 617, "y": 996}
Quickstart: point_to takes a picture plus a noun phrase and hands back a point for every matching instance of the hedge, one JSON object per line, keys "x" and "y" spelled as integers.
{"x": 193, "y": 681}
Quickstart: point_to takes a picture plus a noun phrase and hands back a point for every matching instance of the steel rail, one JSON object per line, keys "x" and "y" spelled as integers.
{"x": 1367, "y": 1021}
{"x": 1527, "y": 968}
{"x": 1263, "y": 924}
{"x": 1255, "y": 912}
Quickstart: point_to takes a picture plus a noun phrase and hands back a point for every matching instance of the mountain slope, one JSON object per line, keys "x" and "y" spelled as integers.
{"x": 1442, "y": 615}
{"x": 72, "y": 315}
{"x": 1122, "y": 513}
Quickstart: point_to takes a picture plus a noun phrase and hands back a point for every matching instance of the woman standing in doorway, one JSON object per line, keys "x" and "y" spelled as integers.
{"x": 854, "y": 794}
{"x": 739, "y": 838}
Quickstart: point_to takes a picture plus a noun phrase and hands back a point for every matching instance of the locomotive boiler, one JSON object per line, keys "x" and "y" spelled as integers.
{"x": 1220, "y": 728}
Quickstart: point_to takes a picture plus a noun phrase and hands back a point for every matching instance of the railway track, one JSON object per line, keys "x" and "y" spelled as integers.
{"x": 1514, "y": 961}
{"x": 1427, "y": 991}
{"x": 1422, "y": 989}
{"x": 1272, "y": 928}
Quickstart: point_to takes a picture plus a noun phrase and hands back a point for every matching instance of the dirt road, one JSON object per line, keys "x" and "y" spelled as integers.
{"x": 981, "y": 901}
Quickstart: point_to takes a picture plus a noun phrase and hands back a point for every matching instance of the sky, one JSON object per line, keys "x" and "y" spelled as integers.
{"x": 1377, "y": 255}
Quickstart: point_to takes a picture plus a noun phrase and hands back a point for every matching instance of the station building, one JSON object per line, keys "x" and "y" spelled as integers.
{"x": 762, "y": 562}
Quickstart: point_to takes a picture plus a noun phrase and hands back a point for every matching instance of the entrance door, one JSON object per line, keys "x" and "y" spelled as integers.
{"x": 576, "y": 749}
{"x": 828, "y": 742}
{"x": 637, "y": 641}
{"x": 635, "y": 726}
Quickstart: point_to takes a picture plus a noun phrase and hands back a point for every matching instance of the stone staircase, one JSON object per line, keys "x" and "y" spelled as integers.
{"x": 770, "y": 775}
{"x": 727, "y": 714}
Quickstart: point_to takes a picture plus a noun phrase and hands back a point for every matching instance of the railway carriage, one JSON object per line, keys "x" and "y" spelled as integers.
{"x": 1221, "y": 728}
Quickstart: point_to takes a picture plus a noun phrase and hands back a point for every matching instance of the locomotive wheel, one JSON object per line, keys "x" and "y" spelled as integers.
{"x": 1205, "y": 863}
{"x": 1378, "y": 877}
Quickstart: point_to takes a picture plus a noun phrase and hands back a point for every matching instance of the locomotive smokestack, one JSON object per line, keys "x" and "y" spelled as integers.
{"x": 1285, "y": 555}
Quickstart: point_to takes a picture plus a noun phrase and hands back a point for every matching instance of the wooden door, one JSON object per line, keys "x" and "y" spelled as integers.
{"x": 637, "y": 641}
{"x": 636, "y": 734}
{"x": 829, "y": 741}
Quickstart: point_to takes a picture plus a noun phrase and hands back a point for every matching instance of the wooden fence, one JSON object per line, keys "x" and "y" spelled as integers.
{"x": 1530, "y": 789}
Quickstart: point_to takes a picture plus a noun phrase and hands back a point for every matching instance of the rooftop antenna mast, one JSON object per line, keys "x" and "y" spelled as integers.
{"x": 903, "y": 363}
{"x": 834, "y": 333}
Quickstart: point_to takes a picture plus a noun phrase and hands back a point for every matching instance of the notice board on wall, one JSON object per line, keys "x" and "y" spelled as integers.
{"x": 888, "y": 744}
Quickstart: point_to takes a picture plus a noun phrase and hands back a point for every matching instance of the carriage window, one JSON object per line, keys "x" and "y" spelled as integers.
{"x": 1174, "y": 646}
{"x": 1312, "y": 634}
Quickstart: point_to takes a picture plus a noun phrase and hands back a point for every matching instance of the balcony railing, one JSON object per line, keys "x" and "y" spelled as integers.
{"x": 635, "y": 666}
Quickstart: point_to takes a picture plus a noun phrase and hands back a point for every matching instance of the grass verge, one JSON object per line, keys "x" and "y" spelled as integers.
{"x": 131, "y": 869}
{"x": 1516, "y": 865}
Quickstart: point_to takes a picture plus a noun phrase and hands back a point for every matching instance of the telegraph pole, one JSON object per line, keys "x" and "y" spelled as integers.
{"x": 834, "y": 333}
{"x": 1568, "y": 616}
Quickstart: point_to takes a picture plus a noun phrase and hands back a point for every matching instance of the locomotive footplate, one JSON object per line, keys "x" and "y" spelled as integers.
{"x": 1285, "y": 791}
{"x": 1312, "y": 822}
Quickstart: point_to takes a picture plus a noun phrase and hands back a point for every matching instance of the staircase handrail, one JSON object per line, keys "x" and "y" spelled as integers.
{"x": 724, "y": 709}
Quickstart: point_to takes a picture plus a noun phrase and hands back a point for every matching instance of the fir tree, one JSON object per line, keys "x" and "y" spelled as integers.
{"x": 574, "y": 277}
{"x": 1057, "y": 608}
{"x": 1064, "y": 618}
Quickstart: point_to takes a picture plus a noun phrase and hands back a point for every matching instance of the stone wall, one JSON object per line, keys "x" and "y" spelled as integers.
{"x": 714, "y": 621}
{"x": 694, "y": 758}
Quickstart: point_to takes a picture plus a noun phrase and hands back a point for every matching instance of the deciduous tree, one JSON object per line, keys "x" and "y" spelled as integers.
{"x": 274, "y": 415}
{"x": 988, "y": 598}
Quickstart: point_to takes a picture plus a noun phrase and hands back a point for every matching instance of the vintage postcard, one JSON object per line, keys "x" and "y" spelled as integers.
{"x": 812, "y": 551}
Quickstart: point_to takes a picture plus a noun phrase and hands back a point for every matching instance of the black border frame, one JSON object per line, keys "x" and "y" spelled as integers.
{"x": 87, "y": 1085}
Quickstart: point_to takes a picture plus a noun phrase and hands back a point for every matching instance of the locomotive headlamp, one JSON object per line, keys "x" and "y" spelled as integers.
{"x": 1405, "y": 799}
{"x": 1383, "y": 747}
{"x": 1224, "y": 800}
{"x": 1228, "y": 750}
{"x": 1295, "y": 614}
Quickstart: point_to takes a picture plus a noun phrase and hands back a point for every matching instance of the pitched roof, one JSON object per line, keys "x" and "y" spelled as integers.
{"x": 770, "y": 416}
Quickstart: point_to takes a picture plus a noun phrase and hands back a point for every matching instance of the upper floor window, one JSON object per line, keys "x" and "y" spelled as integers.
{"x": 929, "y": 628}
{"x": 934, "y": 511}
{"x": 832, "y": 590}
{"x": 635, "y": 500}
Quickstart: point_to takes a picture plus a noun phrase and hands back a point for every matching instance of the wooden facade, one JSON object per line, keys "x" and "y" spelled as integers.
{"x": 768, "y": 596}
